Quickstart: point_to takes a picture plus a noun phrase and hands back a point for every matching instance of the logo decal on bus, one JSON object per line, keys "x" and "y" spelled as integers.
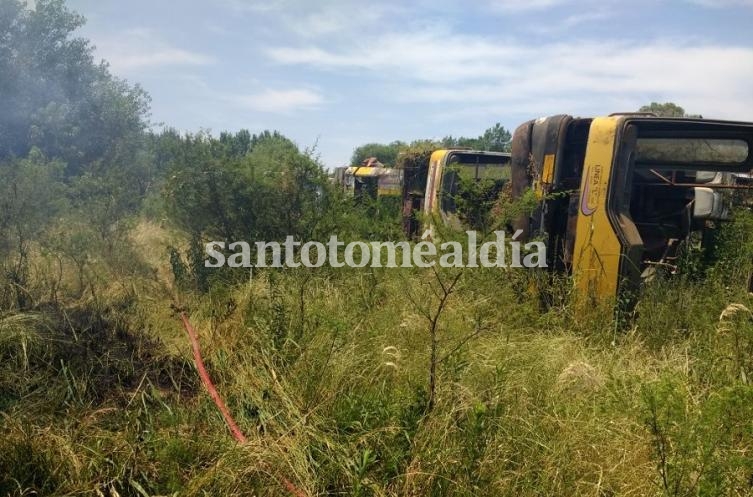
{"x": 589, "y": 199}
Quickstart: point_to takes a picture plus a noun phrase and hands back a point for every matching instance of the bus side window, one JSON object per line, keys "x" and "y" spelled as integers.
{"x": 449, "y": 190}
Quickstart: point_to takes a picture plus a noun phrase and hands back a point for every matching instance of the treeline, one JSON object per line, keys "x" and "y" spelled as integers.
{"x": 495, "y": 139}
{"x": 79, "y": 162}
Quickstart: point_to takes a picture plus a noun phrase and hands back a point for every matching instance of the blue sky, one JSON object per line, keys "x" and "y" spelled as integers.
{"x": 342, "y": 73}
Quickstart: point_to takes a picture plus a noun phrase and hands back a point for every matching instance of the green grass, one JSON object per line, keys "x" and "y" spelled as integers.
{"x": 327, "y": 373}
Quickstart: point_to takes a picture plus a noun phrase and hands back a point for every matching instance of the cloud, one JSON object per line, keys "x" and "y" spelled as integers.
{"x": 435, "y": 68}
{"x": 723, "y": 3}
{"x": 280, "y": 101}
{"x": 138, "y": 48}
{"x": 255, "y": 6}
{"x": 573, "y": 20}
{"x": 338, "y": 19}
{"x": 524, "y": 5}
{"x": 426, "y": 55}
{"x": 321, "y": 18}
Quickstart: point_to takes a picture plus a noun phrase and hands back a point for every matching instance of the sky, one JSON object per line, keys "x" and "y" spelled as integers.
{"x": 334, "y": 74}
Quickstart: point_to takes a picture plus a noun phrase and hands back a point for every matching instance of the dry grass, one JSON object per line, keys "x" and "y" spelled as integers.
{"x": 327, "y": 375}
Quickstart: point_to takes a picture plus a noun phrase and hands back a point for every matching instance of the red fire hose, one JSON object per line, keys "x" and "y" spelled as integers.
{"x": 207, "y": 381}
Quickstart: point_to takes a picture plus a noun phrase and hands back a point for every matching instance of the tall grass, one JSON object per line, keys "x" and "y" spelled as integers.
{"x": 327, "y": 373}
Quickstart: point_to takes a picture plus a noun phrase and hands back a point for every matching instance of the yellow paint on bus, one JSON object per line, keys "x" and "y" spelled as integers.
{"x": 596, "y": 256}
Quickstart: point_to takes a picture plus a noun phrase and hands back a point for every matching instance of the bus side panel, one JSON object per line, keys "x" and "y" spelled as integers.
{"x": 596, "y": 257}
{"x": 520, "y": 174}
{"x": 433, "y": 183}
{"x": 390, "y": 183}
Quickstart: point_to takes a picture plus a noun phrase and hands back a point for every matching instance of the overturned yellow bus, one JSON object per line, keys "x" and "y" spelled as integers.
{"x": 457, "y": 187}
{"x": 371, "y": 180}
{"x": 618, "y": 196}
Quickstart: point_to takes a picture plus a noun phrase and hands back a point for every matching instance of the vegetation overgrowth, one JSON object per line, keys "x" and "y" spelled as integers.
{"x": 346, "y": 381}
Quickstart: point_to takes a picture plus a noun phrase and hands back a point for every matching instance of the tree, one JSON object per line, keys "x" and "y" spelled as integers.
{"x": 386, "y": 152}
{"x": 269, "y": 193}
{"x": 494, "y": 139}
{"x": 667, "y": 109}
{"x": 56, "y": 98}
{"x": 31, "y": 196}
{"x": 75, "y": 161}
